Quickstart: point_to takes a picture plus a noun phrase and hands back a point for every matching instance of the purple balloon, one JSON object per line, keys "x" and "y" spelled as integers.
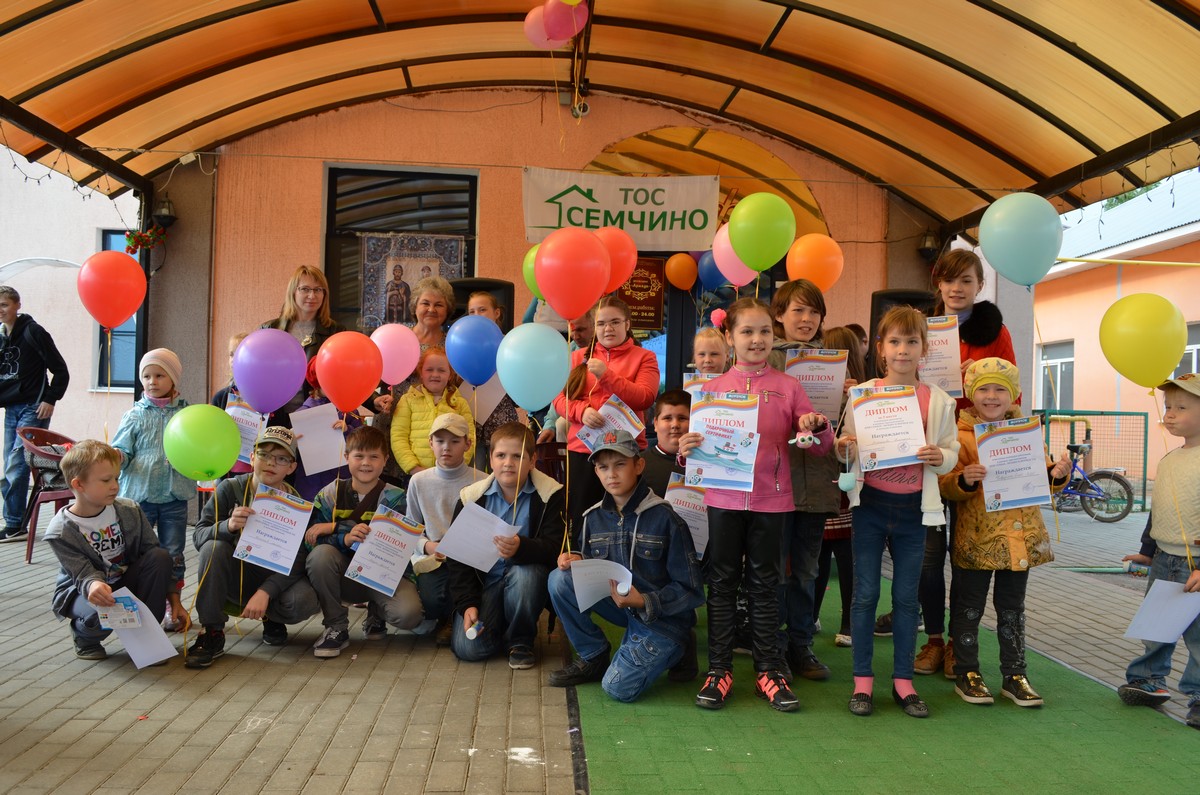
{"x": 269, "y": 368}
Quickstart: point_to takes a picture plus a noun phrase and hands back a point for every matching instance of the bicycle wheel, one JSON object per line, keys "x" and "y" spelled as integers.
{"x": 1065, "y": 502}
{"x": 1117, "y": 501}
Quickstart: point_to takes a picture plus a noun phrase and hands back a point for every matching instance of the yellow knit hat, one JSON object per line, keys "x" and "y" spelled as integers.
{"x": 992, "y": 370}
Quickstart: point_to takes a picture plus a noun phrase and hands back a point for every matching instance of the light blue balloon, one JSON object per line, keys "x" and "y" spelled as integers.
{"x": 533, "y": 363}
{"x": 1021, "y": 235}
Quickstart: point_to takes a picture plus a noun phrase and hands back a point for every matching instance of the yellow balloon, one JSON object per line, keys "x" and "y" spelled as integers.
{"x": 1143, "y": 337}
{"x": 571, "y": 2}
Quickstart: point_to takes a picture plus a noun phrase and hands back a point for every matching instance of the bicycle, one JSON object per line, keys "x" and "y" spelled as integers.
{"x": 1104, "y": 495}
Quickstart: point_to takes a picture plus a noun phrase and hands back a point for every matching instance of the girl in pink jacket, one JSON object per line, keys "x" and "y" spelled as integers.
{"x": 750, "y": 525}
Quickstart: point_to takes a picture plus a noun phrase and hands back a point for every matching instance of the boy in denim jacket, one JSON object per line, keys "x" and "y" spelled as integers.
{"x": 638, "y": 529}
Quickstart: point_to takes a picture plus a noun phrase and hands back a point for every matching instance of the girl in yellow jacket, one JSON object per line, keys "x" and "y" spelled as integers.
{"x": 415, "y": 411}
{"x": 1007, "y": 543}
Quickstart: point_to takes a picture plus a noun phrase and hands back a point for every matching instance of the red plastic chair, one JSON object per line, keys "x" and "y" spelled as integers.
{"x": 44, "y": 450}
{"x": 552, "y": 460}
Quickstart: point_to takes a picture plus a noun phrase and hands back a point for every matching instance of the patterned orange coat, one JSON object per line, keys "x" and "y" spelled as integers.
{"x": 1013, "y": 539}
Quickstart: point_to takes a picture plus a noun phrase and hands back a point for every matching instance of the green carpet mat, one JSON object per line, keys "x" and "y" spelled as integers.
{"x": 1084, "y": 739}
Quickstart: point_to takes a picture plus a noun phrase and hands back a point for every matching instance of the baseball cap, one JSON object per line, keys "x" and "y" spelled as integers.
{"x": 619, "y": 442}
{"x": 1188, "y": 382}
{"x": 277, "y": 435}
{"x": 455, "y": 423}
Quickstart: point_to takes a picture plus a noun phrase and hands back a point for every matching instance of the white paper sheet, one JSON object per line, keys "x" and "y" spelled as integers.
{"x": 379, "y": 562}
{"x": 321, "y": 445}
{"x": 469, "y": 537}
{"x": 148, "y": 643}
{"x": 591, "y": 579}
{"x": 1015, "y": 457}
{"x": 943, "y": 362}
{"x": 822, "y": 373}
{"x": 688, "y": 502}
{"x": 249, "y": 423}
{"x": 617, "y": 417}
{"x": 273, "y": 533}
{"x": 729, "y": 423}
{"x": 483, "y": 399}
{"x": 1165, "y": 613}
{"x": 887, "y": 422}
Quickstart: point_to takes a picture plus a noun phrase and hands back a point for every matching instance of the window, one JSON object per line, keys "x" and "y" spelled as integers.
{"x": 1056, "y": 386}
{"x": 124, "y": 348}
{"x": 1190, "y": 363}
{"x": 378, "y": 200}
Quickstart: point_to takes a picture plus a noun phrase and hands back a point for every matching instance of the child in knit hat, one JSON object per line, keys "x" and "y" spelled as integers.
{"x": 147, "y": 477}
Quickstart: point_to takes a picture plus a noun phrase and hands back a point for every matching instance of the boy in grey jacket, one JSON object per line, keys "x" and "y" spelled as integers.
{"x": 103, "y": 543}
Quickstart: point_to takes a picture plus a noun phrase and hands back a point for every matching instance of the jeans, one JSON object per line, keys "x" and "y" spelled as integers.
{"x": 509, "y": 612}
{"x": 1154, "y": 663}
{"x": 643, "y": 655}
{"x": 326, "y": 568}
{"x": 148, "y": 578}
{"x": 223, "y": 579}
{"x": 434, "y": 587}
{"x": 1008, "y": 597}
{"x": 802, "y": 549}
{"x": 169, "y": 519}
{"x": 16, "y": 470}
{"x": 883, "y": 517}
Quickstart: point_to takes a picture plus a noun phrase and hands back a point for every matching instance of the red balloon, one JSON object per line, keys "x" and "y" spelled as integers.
{"x": 111, "y": 285}
{"x": 815, "y": 257}
{"x": 572, "y": 268}
{"x": 622, "y": 255}
{"x": 349, "y": 366}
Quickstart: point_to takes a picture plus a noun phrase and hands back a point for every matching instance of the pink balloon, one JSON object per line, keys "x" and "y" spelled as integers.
{"x": 736, "y": 271}
{"x": 562, "y": 20}
{"x": 535, "y": 31}
{"x": 400, "y": 350}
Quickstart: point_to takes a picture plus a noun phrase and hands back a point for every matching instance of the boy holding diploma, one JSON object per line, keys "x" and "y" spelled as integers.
{"x": 1007, "y": 543}
{"x": 340, "y": 521}
{"x": 276, "y": 599}
{"x": 635, "y": 527}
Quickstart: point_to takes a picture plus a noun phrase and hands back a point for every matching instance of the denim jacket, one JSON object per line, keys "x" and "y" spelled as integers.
{"x": 146, "y": 475}
{"x": 650, "y": 539}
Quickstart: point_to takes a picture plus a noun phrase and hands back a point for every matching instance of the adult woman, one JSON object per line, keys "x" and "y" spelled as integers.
{"x": 432, "y": 301}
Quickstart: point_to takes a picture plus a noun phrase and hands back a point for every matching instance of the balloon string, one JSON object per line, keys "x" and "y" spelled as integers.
{"x": 108, "y": 391}
{"x": 203, "y": 574}
{"x": 1041, "y": 347}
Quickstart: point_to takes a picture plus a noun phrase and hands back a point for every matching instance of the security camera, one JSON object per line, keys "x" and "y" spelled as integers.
{"x": 581, "y": 109}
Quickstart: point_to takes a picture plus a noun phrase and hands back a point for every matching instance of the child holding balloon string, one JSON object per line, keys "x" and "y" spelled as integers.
{"x": 415, "y": 411}
{"x": 484, "y": 303}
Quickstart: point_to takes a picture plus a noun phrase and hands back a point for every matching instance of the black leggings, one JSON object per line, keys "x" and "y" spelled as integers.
{"x": 841, "y": 550}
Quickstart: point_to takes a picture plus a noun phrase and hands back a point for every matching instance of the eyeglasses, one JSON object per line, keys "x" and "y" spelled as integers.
{"x": 279, "y": 460}
{"x": 610, "y": 323}
{"x": 311, "y": 290}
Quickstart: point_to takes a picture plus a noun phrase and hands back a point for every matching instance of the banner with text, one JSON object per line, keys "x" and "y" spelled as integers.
{"x": 659, "y": 213}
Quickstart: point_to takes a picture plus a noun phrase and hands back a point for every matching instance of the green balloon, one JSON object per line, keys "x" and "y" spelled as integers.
{"x": 527, "y": 271}
{"x": 202, "y": 442}
{"x": 762, "y": 227}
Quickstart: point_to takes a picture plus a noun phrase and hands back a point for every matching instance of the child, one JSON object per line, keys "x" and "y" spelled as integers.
{"x": 276, "y": 599}
{"x": 484, "y": 303}
{"x": 220, "y": 398}
{"x": 896, "y": 505}
{"x": 1175, "y": 532}
{"x": 614, "y": 365}
{"x": 340, "y": 519}
{"x": 308, "y": 484}
{"x": 503, "y": 604}
{"x": 671, "y": 413}
{"x": 1008, "y": 542}
{"x": 146, "y": 476}
{"x": 416, "y": 410}
{"x": 751, "y": 526}
{"x": 710, "y": 354}
{"x": 103, "y": 542}
{"x": 432, "y": 495}
{"x": 636, "y": 528}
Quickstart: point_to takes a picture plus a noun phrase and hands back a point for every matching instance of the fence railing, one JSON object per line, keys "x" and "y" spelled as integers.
{"x": 1118, "y": 440}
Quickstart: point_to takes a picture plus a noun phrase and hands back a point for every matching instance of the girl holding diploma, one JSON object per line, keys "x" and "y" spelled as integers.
{"x": 751, "y": 525}
{"x": 896, "y": 504}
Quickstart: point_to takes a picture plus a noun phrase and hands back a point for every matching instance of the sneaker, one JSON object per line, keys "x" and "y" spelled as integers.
{"x": 274, "y": 633}
{"x": 209, "y": 645}
{"x": 804, "y": 663}
{"x": 1193, "y": 716}
{"x": 843, "y": 639}
{"x": 929, "y": 659}
{"x": 374, "y": 628}
{"x": 687, "y": 668}
{"x": 580, "y": 671}
{"x": 771, "y": 686}
{"x": 445, "y": 632}
{"x": 10, "y": 534}
{"x": 1143, "y": 693}
{"x": 1017, "y": 689}
{"x": 971, "y": 688}
{"x": 90, "y": 651}
{"x": 817, "y": 627}
{"x": 883, "y": 626}
{"x": 948, "y": 661}
{"x": 717, "y": 685}
{"x": 331, "y": 643}
{"x": 521, "y": 657}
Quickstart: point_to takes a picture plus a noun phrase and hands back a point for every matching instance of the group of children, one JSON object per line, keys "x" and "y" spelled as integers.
{"x": 765, "y": 546}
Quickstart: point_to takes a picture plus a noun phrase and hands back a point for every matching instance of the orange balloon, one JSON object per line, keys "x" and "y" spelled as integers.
{"x": 681, "y": 271}
{"x": 349, "y": 366}
{"x": 112, "y": 285}
{"x": 815, "y": 257}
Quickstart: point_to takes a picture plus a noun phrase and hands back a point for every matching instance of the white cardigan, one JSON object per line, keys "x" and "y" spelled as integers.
{"x": 941, "y": 428}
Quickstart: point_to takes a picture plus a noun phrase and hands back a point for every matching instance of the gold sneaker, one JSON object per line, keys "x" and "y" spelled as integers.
{"x": 971, "y": 688}
{"x": 1017, "y": 689}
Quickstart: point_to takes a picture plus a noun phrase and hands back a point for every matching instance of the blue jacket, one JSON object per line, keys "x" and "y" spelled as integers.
{"x": 146, "y": 475}
{"x": 649, "y": 539}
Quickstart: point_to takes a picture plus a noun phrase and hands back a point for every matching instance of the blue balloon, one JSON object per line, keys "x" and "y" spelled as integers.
{"x": 471, "y": 345}
{"x": 533, "y": 364}
{"x": 1021, "y": 235}
{"x": 710, "y": 275}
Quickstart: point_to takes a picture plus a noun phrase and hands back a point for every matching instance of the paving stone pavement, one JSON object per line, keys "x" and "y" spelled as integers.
{"x": 394, "y": 716}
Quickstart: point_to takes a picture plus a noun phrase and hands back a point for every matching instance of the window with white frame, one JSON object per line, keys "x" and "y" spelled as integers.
{"x": 124, "y": 348}
{"x": 1190, "y": 363}
{"x": 1056, "y": 385}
